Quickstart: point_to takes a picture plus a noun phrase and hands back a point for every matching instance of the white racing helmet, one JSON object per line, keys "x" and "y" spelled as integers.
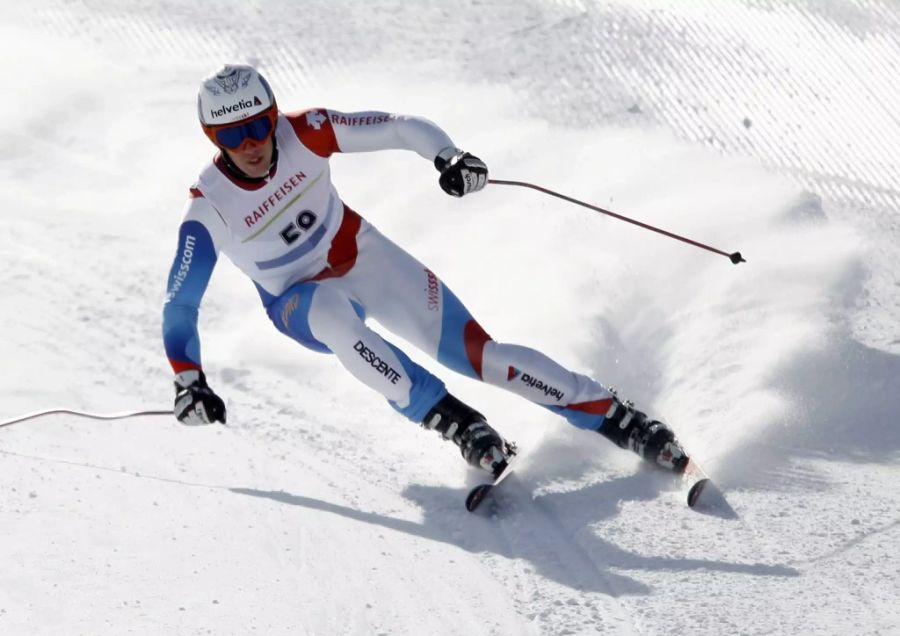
{"x": 236, "y": 104}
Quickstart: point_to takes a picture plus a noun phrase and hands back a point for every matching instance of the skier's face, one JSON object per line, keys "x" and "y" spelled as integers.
{"x": 253, "y": 158}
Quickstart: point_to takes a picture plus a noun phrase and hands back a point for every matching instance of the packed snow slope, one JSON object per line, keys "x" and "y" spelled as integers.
{"x": 769, "y": 128}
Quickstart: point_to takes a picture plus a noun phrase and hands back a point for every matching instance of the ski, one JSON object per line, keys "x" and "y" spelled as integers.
{"x": 477, "y": 495}
{"x": 696, "y": 479}
{"x": 696, "y": 490}
{"x": 703, "y": 495}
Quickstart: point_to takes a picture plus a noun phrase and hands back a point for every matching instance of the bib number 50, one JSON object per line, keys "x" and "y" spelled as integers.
{"x": 292, "y": 232}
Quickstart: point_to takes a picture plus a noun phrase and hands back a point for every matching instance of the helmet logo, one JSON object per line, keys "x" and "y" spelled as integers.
{"x": 227, "y": 109}
{"x": 233, "y": 79}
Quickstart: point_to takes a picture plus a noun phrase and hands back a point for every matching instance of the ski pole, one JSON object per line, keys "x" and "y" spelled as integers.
{"x": 734, "y": 257}
{"x": 93, "y": 416}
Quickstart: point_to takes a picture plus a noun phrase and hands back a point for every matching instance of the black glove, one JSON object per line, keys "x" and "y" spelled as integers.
{"x": 195, "y": 403}
{"x": 461, "y": 173}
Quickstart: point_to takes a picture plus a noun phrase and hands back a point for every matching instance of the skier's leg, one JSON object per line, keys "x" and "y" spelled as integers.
{"x": 407, "y": 298}
{"x": 324, "y": 317}
{"x": 584, "y": 402}
{"x": 411, "y": 301}
{"x": 370, "y": 274}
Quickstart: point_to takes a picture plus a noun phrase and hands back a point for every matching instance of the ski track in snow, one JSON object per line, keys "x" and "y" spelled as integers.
{"x": 770, "y": 129}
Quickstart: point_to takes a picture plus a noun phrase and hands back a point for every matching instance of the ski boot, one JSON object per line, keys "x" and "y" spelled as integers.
{"x": 480, "y": 445}
{"x": 629, "y": 428}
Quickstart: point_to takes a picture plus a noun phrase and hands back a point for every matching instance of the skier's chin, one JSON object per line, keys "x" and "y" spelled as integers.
{"x": 253, "y": 161}
{"x": 255, "y": 167}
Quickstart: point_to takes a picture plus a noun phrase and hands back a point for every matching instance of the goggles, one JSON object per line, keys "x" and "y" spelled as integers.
{"x": 233, "y": 136}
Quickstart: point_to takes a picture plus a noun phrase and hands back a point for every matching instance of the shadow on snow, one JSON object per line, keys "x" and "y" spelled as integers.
{"x": 528, "y": 529}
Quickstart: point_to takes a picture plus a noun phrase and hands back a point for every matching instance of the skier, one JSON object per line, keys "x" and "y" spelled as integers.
{"x": 267, "y": 201}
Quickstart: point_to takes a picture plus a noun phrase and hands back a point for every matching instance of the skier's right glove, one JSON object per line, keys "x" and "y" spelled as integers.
{"x": 195, "y": 402}
{"x": 461, "y": 172}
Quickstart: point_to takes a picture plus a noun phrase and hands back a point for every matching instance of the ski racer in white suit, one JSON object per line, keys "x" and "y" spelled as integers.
{"x": 268, "y": 203}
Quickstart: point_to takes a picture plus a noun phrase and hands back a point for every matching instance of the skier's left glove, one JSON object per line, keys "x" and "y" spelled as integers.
{"x": 461, "y": 172}
{"x": 195, "y": 402}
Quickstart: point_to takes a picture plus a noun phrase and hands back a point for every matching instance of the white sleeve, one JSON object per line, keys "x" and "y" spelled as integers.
{"x": 199, "y": 209}
{"x": 372, "y": 130}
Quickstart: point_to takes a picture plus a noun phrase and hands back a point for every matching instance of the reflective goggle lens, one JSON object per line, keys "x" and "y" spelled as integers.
{"x": 233, "y": 136}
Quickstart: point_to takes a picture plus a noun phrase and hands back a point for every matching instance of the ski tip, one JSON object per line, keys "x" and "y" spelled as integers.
{"x": 704, "y": 496}
{"x": 695, "y": 492}
{"x": 476, "y": 496}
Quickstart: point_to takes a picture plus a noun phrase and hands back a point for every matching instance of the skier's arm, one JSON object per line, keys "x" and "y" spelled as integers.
{"x": 199, "y": 238}
{"x": 373, "y": 130}
{"x": 189, "y": 275}
{"x": 328, "y": 131}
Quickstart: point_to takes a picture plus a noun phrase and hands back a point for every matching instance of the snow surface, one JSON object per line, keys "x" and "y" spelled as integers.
{"x": 768, "y": 127}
